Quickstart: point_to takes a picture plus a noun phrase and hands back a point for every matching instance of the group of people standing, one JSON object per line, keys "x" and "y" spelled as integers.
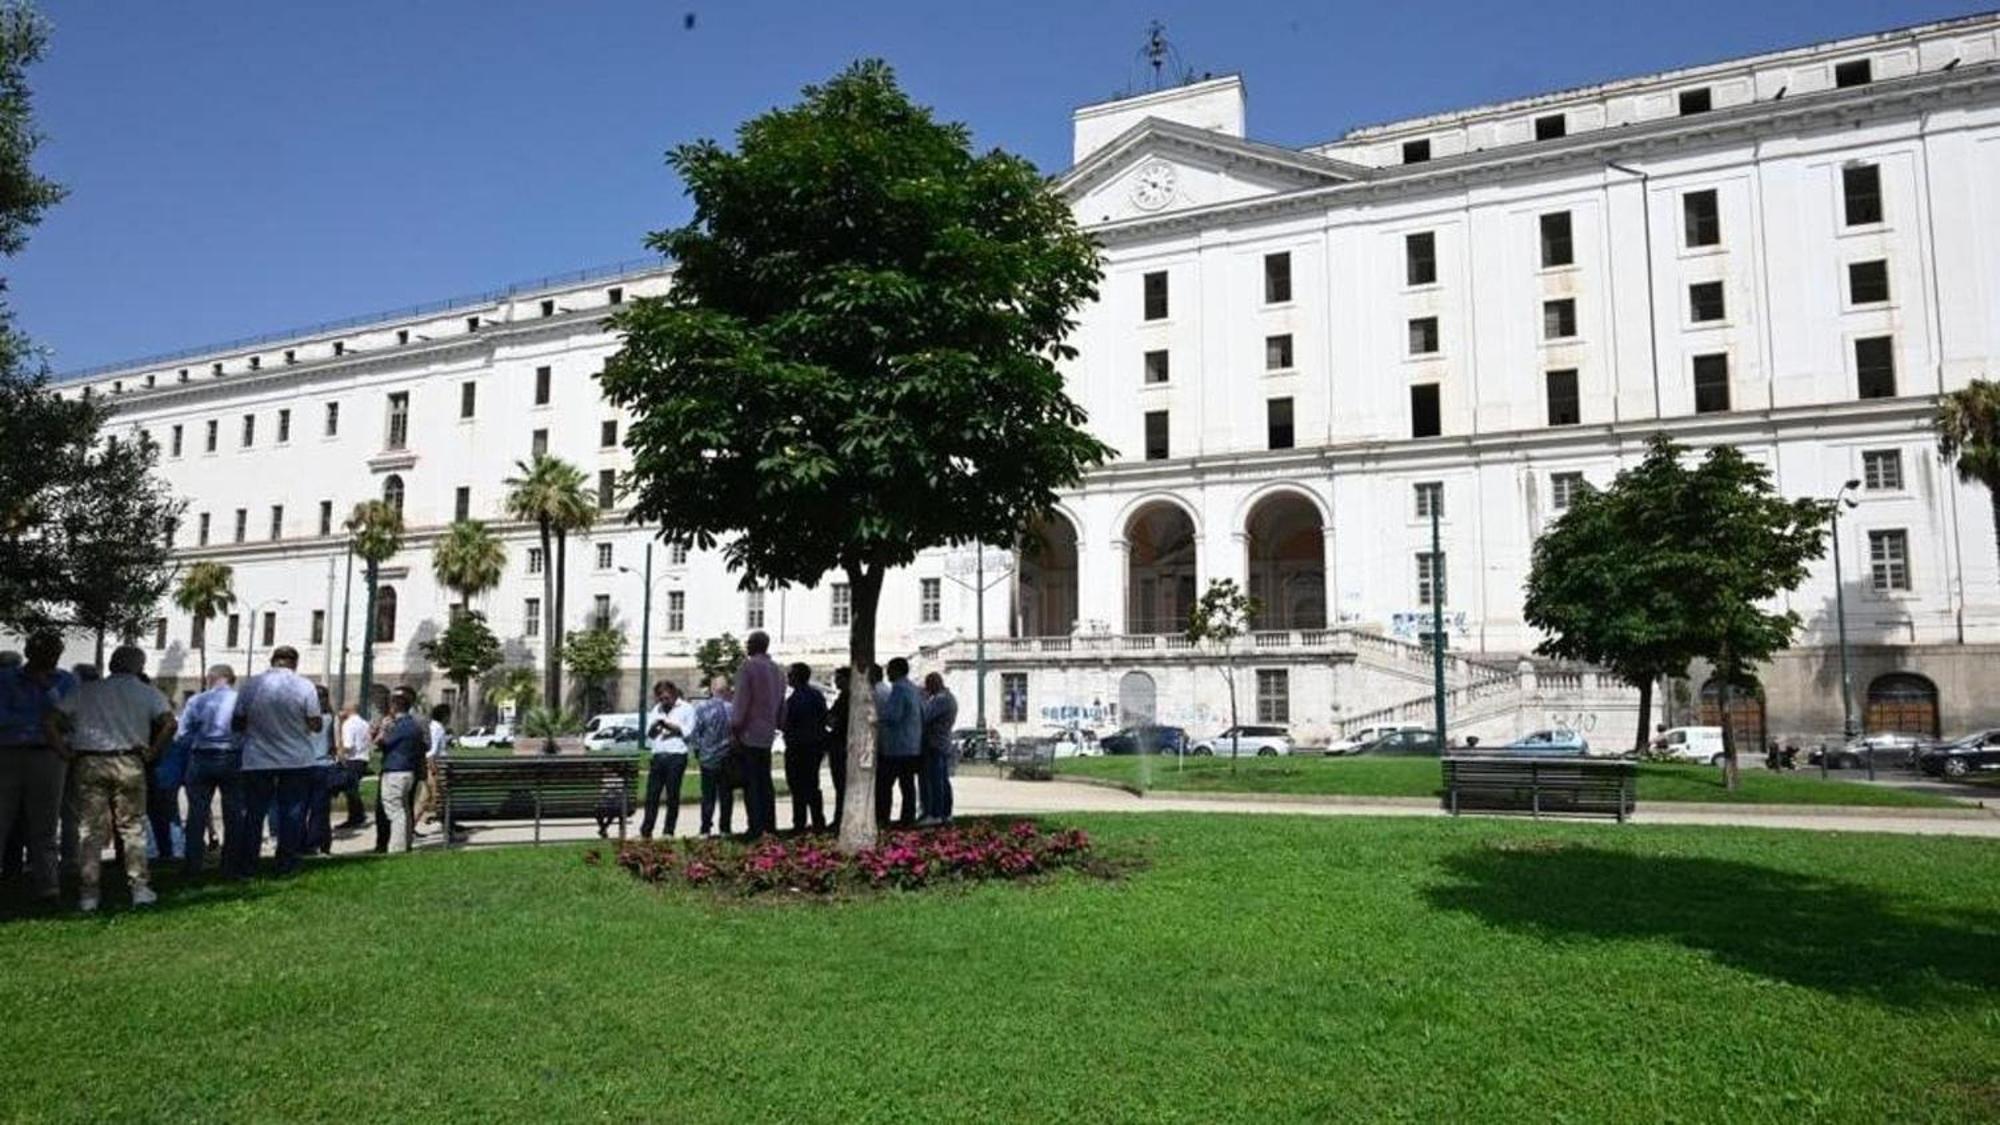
{"x": 731, "y": 734}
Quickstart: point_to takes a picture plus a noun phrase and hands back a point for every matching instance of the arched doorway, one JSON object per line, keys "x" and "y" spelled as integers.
{"x": 1902, "y": 703}
{"x": 1285, "y": 543}
{"x": 1138, "y": 699}
{"x": 1048, "y": 579}
{"x": 1746, "y": 713}
{"x": 1160, "y": 569}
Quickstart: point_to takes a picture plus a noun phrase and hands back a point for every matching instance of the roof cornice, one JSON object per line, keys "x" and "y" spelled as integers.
{"x": 1306, "y": 167}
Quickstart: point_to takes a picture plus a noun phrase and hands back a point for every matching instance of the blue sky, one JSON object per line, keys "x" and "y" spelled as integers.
{"x": 236, "y": 167}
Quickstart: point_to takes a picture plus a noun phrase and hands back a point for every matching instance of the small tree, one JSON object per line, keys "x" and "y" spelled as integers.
{"x": 375, "y": 530}
{"x": 206, "y": 590}
{"x": 1221, "y": 616}
{"x": 468, "y": 560}
{"x": 858, "y": 360}
{"x": 114, "y": 526}
{"x": 593, "y": 656}
{"x": 1968, "y": 438}
{"x": 511, "y": 685}
{"x": 719, "y": 656}
{"x": 465, "y": 650}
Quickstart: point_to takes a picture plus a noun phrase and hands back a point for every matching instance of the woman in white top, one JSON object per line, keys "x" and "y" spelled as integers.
{"x": 439, "y": 736}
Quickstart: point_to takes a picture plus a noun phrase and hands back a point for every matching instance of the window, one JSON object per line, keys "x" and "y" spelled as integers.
{"x": 607, "y": 433}
{"x": 385, "y": 615}
{"x": 1557, "y": 248}
{"x": 208, "y": 445}
{"x": 1711, "y": 383}
{"x": 249, "y": 430}
{"x": 1423, "y": 335}
{"x": 753, "y": 609}
{"x": 678, "y": 556}
{"x": 242, "y": 523}
{"x": 326, "y": 517}
{"x": 472, "y": 324}
{"x": 1867, "y": 284}
{"x": 277, "y": 521}
{"x": 1156, "y": 367}
{"x": 538, "y": 443}
{"x": 604, "y": 556}
{"x": 1274, "y": 696}
{"x": 1420, "y": 262}
{"x": 159, "y": 633}
{"x": 1416, "y": 152}
{"x": 676, "y": 611}
{"x": 600, "y": 612}
{"x": 1559, "y": 318}
{"x": 1424, "y": 410}
{"x": 1278, "y": 423}
{"x": 399, "y": 421}
{"x": 233, "y": 634}
{"x": 1430, "y": 579}
{"x": 1882, "y": 470}
{"x": 198, "y": 632}
{"x": 548, "y": 308}
{"x": 1889, "y": 560}
{"x": 461, "y": 503}
{"x": 1697, "y": 100}
{"x": 256, "y": 363}
{"x": 1701, "y": 218}
{"x": 1551, "y": 127}
{"x": 1278, "y": 352}
{"x": 1156, "y": 435}
{"x": 531, "y": 617}
{"x": 1430, "y": 499}
{"x": 1705, "y": 301}
{"x": 402, "y": 335}
{"x": 615, "y": 295}
{"x": 215, "y": 369}
{"x": 1277, "y": 278}
{"x": 1564, "y": 409}
{"x": 284, "y": 426}
{"x": 291, "y": 357}
{"x": 174, "y": 442}
{"x": 1156, "y": 295}
{"x": 392, "y": 492}
{"x": 340, "y": 347}
{"x": 1563, "y": 489}
{"x": 468, "y": 399}
{"x": 843, "y": 604}
{"x": 607, "y": 489}
{"x": 1855, "y": 72}
{"x": 930, "y": 600}
{"x": 270, "y": 628}
{"x": 318, "y": 634}
{"x": 1861, "y": 194}
{"x": 332, "y": 419}
{"x": 201, "y": 534}
{"x": 535, "y": 558}
{"x": 181, "y": 375}
{"x": 1875, "y": 367}
{"x": 542, "y": 380}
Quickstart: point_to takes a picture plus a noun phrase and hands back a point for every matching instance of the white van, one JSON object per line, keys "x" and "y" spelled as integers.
{"x": 1691, "y": 744}
{"x": 608, "y": 719}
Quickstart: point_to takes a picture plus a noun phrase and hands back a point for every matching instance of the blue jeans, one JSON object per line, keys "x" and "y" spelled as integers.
{"x": 663, "y": 777}
{"x": 282, "y": 794}
{"x": 210, "y": 772}
{"x": 935, "y": 782}
{"x": 326, "y": 779}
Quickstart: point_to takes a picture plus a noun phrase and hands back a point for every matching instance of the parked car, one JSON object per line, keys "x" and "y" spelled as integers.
{"x": 1072, "y": 742}
{"x": 1353, "y": 743}
{"x": 1264, "y": 742}
{"x": 482, "y": 738}
{"x": 1555, "y": 742}
{"x": 613, "y": 738}
{"x": 1145, "y": 739}
{"x": 1963, "y": 757}
{"x": 1889, "y": 749}
{"x": 611, "y": 719}
{"x": 1691, "y": 744}
{"x": 1403, "y": 740}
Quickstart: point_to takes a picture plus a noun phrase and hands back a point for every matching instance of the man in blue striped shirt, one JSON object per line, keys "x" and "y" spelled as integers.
{"x": 215, "y": 765}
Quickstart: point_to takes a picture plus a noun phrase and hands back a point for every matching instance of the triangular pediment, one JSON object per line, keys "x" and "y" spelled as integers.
{"x": 1158, "y": 167}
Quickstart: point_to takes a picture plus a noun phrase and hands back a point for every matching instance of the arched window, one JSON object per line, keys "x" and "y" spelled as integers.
{"x": 1286, "y": 547}
{"x": 1902, "y": 703}
{"x": 392, "y": 492}
{"x": 385, "y": 615}
{"x": 1047, "y": 575}
{"x": 1160, "y": 569}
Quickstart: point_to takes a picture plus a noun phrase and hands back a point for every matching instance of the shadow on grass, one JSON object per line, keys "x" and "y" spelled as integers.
{"x": 176, "y": 892}
{"x": 1814, "y": 932}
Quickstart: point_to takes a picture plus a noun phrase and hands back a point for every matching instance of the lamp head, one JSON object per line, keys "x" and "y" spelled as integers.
{"x": 1855, "y": 483}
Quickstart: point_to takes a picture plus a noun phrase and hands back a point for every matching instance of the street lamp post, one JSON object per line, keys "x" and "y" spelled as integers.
{"x": 1848, "y": 727}
{"x": 979, "y": 587}
{"x": 645, "y": 630}
{"x": 1437, "y": 622}
{"x": 250, "y": 634}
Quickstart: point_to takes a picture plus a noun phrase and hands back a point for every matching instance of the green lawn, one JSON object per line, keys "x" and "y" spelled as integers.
{"x": 1260, "y": 969}
{"x": 1419, "y": 777}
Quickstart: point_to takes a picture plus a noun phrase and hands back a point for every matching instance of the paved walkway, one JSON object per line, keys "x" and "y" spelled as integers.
{"x": 977, "y": 792}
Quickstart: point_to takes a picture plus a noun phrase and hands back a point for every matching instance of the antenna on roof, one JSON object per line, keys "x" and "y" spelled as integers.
{"x": 1162, "y": 59}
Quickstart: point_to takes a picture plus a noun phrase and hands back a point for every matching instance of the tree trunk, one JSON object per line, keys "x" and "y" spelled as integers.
{"x": 549, "y": 654}
{"x": 1730, "y": 777}
{"x": 100, "y": 650}
{"x": 1645, "y": 687}
{"x": 562, "y": 595}
{"x": 201, "y": 653}
{"x": 1235, "y": 736}
{"x": 1993, "y": 494}
{"x": 857, "y": 824}
{"x": 371, "y": 577}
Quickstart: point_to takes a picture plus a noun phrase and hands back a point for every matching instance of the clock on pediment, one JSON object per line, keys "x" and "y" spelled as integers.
{"x": 1153, "y": 186}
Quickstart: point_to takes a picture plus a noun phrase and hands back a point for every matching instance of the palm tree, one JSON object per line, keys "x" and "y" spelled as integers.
{"x": 550, "y": 492}
{"x": 375, "y": 531}
{"x": 206, "y": 589}
{"x": 468, "y": 561}
{"x": 1968, "y": 434}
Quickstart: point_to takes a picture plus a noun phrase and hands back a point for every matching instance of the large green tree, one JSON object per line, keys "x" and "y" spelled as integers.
{"x": 375, "y": 531}
{"x": 1683, "y": 562}
{"x": 1968, "y": 438}
{"x": 858, "y": 360}
{"x": 206, "y": 589}
{"x": 549, "y": 492}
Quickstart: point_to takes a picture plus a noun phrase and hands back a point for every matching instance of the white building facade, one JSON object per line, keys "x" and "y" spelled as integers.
{"x": 1299, "y": 354}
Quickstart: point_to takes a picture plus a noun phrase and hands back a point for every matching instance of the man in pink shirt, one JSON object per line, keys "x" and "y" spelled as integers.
{"x": 753, "y": 722}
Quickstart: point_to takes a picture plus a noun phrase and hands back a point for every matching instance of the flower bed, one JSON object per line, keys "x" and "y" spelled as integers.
{"x": 812, "y": 865}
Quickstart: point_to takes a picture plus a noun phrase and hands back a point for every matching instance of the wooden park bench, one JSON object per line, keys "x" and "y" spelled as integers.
{"x": 1537, "y": 785}
{"x": 539, "y": 788}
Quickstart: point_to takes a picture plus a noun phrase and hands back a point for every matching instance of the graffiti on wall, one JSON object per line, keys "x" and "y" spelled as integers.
{"x": 1096, "y": 715}
{"x": 1413, "y": 624}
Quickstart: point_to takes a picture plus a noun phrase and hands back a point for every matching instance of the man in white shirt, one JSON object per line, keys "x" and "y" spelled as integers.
{"x": 667, "y": 726}
{"x": 113, "y": 726}
{"x": 354, "y": 744}
{"x": 278, "y": 716}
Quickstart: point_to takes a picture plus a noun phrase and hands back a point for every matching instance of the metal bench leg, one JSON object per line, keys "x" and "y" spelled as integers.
{"x": 538, "y": 812}
{"x": 448, "y": 844}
